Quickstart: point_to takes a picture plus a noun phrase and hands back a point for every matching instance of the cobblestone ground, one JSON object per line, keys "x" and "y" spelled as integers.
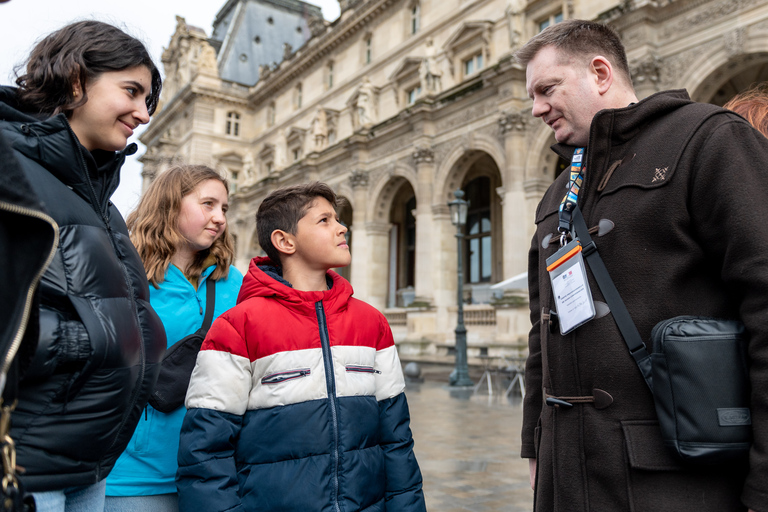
{"x": 468, "y": 449}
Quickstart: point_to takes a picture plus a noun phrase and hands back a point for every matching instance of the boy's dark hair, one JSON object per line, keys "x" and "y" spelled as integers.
{"x": 579, "y": 39}
{"x": 283, "y": 208}
{"x": 78, "y": 54}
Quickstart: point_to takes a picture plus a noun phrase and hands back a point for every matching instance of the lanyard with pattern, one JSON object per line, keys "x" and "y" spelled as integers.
{"x": 572, "y": 196}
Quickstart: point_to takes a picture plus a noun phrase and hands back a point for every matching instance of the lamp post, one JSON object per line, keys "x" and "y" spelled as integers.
{"x": 460, "y": 375}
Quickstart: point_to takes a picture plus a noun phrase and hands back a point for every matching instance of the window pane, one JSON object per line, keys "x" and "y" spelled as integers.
{"x": 544, "y": 24}
{"x": 558, "y": 17}
{"x": 480, "y": 61}
{"x": 474, "y": 260}
{"x": 468, "y": 67}
{"x": 485, "y": 225}
{"x": 486, "y": 251}
{"x": 473, "y": 224}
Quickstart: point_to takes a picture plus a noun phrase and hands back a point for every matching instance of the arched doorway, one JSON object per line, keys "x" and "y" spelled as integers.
{"x": 345, "y": 213}
{"x": 736, "y": 75}
{"x": 402, "y": 247}
{"x": 482, "y": 245}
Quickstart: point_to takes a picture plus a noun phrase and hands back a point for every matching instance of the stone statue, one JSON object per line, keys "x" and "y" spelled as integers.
{"x": 320, "y": 128}
{"x": 207, "y": 61}
{"x": 514, "y": 14}
{"x": 249, "y": 167}
{"x": 365, "y": 112}
{"x": 429, "y": 73}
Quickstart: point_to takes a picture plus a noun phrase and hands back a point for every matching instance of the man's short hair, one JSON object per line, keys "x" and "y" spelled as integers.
{"x": 580, "y": 39}
{"x": 283, "y": 208}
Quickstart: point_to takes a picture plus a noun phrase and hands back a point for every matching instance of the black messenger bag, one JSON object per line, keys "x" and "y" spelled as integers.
{"x": 701, "y": 388}
{"x": 179, "y": 361}
{"x": 698, "y": 374}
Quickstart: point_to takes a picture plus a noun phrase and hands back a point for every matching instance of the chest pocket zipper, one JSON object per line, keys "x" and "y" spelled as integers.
{"x": 355, "y": 368}
{"x": 277, "y": 378}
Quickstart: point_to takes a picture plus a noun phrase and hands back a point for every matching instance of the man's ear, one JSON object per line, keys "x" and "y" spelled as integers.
{"x": 601, "y": 69}
{"x": 283, "y": 242}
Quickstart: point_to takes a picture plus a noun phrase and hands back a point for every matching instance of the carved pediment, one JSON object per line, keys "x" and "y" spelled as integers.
{"x": 468, "y": 33}
{"x": 408, "y": 68}
{"x": 231, "y": 159}
{"x": 295, "y": 136}
{"x": 267, "y": 152}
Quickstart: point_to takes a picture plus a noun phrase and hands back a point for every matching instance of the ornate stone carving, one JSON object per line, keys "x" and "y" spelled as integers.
{"x": 705, "y": 16}
{"x": 509, "y": 121}
{"x": 287, "y": 51}
{"x": 429, "y": 72}
{"x": 734, "y": 41}
{"x": 514, "y": 13}
{"x": 316, "y": 26}
{"x": 647, "y": 69}
{"x": 320, "y": 129}
{"x": 675, "y": 67}
{"x": 358, "y": 179}
{"x": 423, "y": 155}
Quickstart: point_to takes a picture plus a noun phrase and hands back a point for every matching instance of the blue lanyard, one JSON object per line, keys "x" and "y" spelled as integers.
{"x": 572, "y": 196}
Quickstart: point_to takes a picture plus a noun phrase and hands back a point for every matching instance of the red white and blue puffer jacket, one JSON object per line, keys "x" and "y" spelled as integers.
{"x": 297, "y": 403}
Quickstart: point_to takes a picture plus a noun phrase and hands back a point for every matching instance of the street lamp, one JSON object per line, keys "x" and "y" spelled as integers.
{"x": 460, "y": 375}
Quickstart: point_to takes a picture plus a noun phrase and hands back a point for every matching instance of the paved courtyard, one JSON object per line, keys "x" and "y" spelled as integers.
{"x": 469, "y": 448}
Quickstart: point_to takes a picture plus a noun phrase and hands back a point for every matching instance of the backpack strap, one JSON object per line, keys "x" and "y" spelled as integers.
{"x": 210, "y": 303}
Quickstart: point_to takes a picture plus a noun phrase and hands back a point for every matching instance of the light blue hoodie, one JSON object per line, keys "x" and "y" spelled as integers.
{"x": 148, "y": 465}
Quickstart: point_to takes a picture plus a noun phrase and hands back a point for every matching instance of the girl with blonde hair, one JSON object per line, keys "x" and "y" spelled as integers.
{"x": 180, "y": 231}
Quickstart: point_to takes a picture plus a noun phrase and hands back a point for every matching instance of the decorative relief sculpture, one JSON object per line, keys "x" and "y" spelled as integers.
{"x": 429, "y": 73}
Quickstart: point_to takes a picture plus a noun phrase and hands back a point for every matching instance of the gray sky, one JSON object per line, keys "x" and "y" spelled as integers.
{"x": 23, "y": 22}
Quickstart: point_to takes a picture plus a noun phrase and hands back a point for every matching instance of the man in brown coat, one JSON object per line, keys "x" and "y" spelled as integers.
{"x": 685, "y": 187}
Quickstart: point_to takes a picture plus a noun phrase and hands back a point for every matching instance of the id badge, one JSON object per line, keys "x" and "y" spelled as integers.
{"x": 573, "y": 298}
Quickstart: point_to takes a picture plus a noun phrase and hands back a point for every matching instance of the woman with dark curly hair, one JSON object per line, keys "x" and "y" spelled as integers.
{"x": 85, "y": 89}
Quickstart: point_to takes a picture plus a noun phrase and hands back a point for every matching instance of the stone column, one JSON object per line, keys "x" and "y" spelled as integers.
{"x": 376, "y": 267}
{"x": 424, "y": 159}
{"x": 360, "y": 248}
{"x": 516, "y": 213}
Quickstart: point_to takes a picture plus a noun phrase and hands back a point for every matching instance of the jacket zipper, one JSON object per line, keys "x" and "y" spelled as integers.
{"x": 19, "y": 335}
{"x": 356, "y": 368}
{"x": 276, "y": 378}
{"x": 330, "y": 383}
{"x": 126, "y": 276}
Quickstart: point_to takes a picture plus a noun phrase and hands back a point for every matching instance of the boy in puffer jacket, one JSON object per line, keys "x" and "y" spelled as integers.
{"x": 297, "y": 398}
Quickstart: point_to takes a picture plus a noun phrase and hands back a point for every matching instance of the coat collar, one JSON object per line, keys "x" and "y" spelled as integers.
{"x": 51, "y": 142}
{"x": 263, "y": 281}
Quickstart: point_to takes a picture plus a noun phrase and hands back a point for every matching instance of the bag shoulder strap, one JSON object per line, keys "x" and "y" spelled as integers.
{"x": 629, "y": 332}
{"x": 210, "y": 303}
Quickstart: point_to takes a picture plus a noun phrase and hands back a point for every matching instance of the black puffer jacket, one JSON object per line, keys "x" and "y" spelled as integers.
{"x": 100, "y": 341}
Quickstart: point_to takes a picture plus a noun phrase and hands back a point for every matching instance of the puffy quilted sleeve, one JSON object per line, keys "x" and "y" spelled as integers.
{"x": 216, "y": 401}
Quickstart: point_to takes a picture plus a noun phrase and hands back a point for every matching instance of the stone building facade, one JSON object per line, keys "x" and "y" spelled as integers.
{"x": 398, "y": 103}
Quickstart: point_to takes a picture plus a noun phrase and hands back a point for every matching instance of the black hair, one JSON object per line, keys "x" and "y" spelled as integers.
{"x": 76, "y": 55}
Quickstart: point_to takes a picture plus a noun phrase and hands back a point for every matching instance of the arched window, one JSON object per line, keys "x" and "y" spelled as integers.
{"x": 415, "y": 18}
{"x": 478, "y": 239}
{"x": 233, "y": 124}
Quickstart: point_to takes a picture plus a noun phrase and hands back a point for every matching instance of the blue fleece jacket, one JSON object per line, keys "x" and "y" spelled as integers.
{"x": 148, "y": 465}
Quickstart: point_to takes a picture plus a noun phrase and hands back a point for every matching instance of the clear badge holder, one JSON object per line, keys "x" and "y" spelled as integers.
{"x": 573, "y": 298}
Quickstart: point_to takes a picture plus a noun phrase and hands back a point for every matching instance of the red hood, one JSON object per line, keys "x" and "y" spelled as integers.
{"x": 258, "y": 283}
